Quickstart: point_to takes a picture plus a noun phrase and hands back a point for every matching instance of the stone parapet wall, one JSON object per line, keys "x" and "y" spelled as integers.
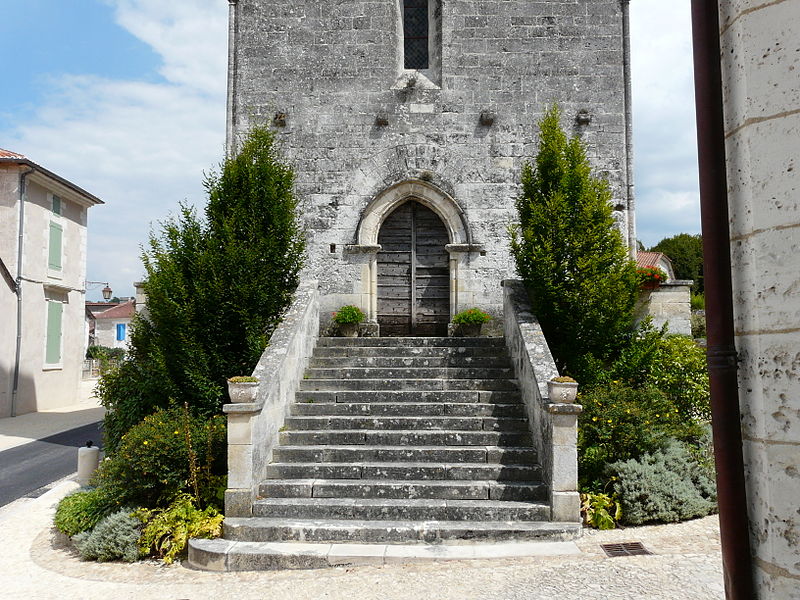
{"x": 253, "y": 428}
{"x": 669, "y": 304}
{"x": 554, "y": 426}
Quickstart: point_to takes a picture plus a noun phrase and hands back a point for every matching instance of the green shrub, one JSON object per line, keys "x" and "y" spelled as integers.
{"x": 153, "y": 460}
{"x": 348, "y": 314}
{"x": 571, "y": 256}
{"x": 620, "y": 423}
{"x": 698, "y": 301}
{"x": 216, "y": 289}
{"x": 680, "y": 370}
{"x": 471, "y": 316}
{"x": 698, "y": 322}
{"x": 105, "y": 353}
{"x": 83, "y": 509}
{"x": 664, "y": 486}
{"x": 167, "y": 532}
{"x": 116, "y": 537}
{"x": 686, "y": 253}
{"x": 243, "y": 379}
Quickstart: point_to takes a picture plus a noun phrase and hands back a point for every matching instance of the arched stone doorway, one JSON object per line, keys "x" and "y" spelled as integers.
{"x": 458, "y": 245}
{"x": 413, "y": 272}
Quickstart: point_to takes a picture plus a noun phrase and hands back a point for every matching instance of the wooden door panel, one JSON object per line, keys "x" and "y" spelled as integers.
{"x": 413, "y": 273}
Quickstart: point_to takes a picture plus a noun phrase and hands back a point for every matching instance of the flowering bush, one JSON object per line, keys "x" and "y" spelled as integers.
{"x": 348, "y": 314}
{"x": 650, "y": 275}
{"x": 153, "y": 461}
{"x": 471, "y": 316}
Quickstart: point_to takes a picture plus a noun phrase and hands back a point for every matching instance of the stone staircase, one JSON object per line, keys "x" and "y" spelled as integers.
{"x": 402, "y": 441}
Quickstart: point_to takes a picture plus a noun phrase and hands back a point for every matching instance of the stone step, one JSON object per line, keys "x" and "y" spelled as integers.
{"x": 436, "y": 454}
{"x": 446, "y": 373}
{"x": 503, "y": 385}
{"x": 401, "y": 509}
{"x": 416, "y": 423}
{"x": 458, "y": 361}
{"x": 408, "y": 409}
{"x": 410, "y": 438}
{"x": 438, "y": 342}
{"x": 398, "y": 396}
{"x": 380, "y": 488}
{"x": 403, "y": 471}
{"x": 224, "y": 555}
{"x": 266, "y": 529}
{"x": 410, "y": 351}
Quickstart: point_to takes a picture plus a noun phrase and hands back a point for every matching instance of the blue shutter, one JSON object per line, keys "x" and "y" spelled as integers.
{"x": 120, "y": 332}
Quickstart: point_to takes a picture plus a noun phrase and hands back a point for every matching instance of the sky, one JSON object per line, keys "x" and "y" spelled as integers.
{"x": 126, "y": 98}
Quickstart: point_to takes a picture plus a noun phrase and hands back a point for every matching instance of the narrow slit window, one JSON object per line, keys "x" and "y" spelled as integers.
{"x": 416, "y": 30}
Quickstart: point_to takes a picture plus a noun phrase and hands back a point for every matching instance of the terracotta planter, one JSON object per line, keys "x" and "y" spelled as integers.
{"x": 650, "y": 285}
{"x": 348, "y": 329}
{"x": 562, "y": 392}
{"x": 244, "y": 392}
{"x": 468, "y": 329}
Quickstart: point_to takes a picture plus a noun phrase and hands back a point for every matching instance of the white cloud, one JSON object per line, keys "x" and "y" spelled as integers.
{"x": 140, "y": 146}
{"x": 665, "y": 147}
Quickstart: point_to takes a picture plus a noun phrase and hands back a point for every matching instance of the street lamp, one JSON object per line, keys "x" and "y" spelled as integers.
{"x": 106, "y": 290}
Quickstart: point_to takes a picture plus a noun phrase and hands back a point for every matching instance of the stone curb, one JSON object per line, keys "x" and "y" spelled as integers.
{"x": 224, "y": 555}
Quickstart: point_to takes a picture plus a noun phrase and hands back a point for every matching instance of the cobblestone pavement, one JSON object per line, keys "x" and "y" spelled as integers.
{"x": 38, "y": 564}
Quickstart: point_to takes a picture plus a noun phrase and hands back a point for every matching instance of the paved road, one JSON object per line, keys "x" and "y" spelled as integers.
{"x": 27, "y": 468}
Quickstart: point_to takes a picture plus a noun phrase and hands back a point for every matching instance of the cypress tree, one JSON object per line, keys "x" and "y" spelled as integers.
{"x": 569, "y": 253}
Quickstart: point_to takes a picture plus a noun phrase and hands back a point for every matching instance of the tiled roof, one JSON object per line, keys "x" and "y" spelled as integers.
{"x": 126, "y": 310}
{"x": 9, "y": 154}
{"x": 648, "y": 259}
{"x": 8, "y": 157}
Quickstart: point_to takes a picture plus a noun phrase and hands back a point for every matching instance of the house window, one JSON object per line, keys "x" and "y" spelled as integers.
{"x": 56, "y": 205}
{"x": 54, "y": 246}
{"x": 121, "y": 332}
{"x": 416, "y": 34}
{"x": 55, "y": 314}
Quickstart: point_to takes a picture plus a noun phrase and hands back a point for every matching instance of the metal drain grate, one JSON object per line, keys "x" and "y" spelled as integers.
{"x": 625, "y": 549}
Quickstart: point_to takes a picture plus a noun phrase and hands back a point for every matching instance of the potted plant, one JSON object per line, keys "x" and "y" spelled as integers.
{"x": 242, "y": 388}
{"x": 468, "y": 322}
{"x": 347, "y": 318}
{"x": 562, "y": 390}
{"x": 650, "y": 277}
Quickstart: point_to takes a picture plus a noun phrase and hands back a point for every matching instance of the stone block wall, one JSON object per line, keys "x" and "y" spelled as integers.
{"x": 761, "y": 62}
{"x": 669, "y": 303}
{"x": 354, "y": 123}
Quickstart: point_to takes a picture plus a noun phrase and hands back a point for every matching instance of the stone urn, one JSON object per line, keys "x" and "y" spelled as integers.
{"x": 348, "y": 329}
{"x": 562, "y": 390}
{"x": 242, "y": 389}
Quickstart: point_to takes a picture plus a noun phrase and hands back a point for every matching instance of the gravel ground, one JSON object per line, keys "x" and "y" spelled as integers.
{"x": 685, "y": 564}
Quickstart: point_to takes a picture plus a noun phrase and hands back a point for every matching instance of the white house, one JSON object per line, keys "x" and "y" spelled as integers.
{"x": 42, "y": 296}
{"x": 112, "y": 326}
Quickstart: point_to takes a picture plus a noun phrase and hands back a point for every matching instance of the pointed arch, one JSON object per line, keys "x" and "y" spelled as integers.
{"x": 423, "y": 192}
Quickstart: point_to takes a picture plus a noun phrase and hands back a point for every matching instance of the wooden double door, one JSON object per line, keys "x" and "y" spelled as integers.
{"x": 413, "y": 273}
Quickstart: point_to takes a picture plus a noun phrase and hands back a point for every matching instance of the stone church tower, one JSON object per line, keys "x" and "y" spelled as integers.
{"x": 408, "y": 122}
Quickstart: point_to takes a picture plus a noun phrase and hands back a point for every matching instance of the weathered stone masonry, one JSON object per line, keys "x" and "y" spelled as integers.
{"x": 354, "y": 123}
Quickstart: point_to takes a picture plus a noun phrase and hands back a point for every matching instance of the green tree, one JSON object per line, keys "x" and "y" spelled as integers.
{"x": 573, "y": 260}
{"x": 686, "y": 253}
{"x": 216, "y": 289}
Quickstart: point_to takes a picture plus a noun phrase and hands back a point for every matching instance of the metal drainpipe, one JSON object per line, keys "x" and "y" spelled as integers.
{"x": 626, "y": 66}
{"x": 722, "y": 358}
{"x": 18, "y": 351}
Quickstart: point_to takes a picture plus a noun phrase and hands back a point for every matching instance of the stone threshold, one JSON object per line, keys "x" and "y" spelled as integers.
{"x": 225, "y": 555}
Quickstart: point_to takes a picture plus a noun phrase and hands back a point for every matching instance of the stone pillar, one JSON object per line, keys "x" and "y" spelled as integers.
{"x": 239, "y": 495}
{"x": 565, "y": 500}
